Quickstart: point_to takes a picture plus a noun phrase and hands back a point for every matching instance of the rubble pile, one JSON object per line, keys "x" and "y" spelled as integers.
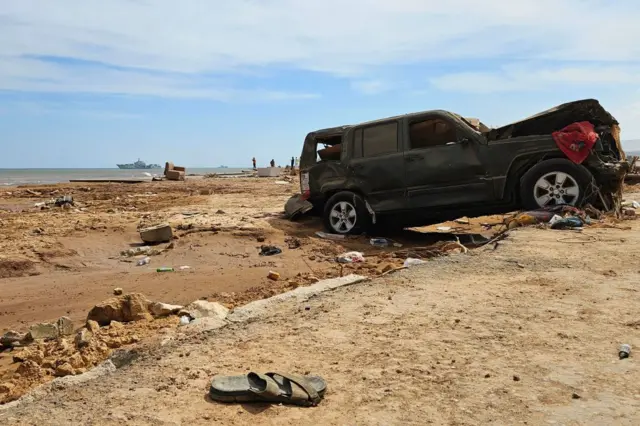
{"x": 58, "y": 349}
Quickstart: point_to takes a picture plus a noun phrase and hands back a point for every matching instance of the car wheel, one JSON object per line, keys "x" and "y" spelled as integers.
{"x": 556, "y": 182}
{"x": 346, "y": 213}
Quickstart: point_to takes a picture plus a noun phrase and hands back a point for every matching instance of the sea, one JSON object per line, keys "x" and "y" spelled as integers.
{"x": 13, "y": 177}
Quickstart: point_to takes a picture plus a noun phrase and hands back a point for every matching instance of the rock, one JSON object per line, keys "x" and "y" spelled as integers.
{"x": 65, "y": 326}
{"x": 261, "y": 239}
{"x": 43, "y": 331}
{"x": 157, "y": 234}
{"x": 122, "y": 357}
{"x": 27, "y": 354}
{"x": 93, "y": 326}
{"x": 6, "y": 388}
{"x": 83, "y": 338}
{"x": 116, "y": 325}
{"x": 76, "y": 360}
{"x": 159, "y": 309}
{"x": 206, "y": 323}
{"x": 10, "y": 337}
{"x": 30, "y": 370}
{"x": 64, "y": 370}
{"x": 204, "y": 309}
{"x": 388, "y": 267}
{"x": 117, "y": 291}
{"x": 273, "y": 276}
{"x": 130, "y": 307}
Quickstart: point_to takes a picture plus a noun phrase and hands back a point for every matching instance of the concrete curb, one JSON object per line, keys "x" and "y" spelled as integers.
{"x": 260, "y": 307}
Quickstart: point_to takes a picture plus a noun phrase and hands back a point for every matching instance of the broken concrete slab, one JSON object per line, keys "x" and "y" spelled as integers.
{"x": 43, "y": 330}
{"x": 204, "y": 308}
{"x": 11, "y": 337}
{"x": 262, "y": 307}
{"x": 161, "y": 233}
{"x": 65, "y": 326}
{"x": 159, "y": 309}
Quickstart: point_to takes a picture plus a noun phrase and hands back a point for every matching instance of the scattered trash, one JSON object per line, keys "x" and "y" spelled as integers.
{"x": 273, "y": 276}
{"x": 350, "y": 257}
{"x": 625, "y": 351}
{"x": 631, "y": 203}
{"x": 62, "y": 201}
{"x": 462, "y": 221}
{"x": 627, "y": 211}
{"x": 144, "y": 261}
{"x": 412, "y": 262}
{"x": 444, "y": 228}
{"x": 117, "y": 291}
{"x": 136, "y": 251}
{"x": 184, "y": 267}
{"x": 165, "y": 269}
{"x": 184, "y": 320}
{"x": 269, "y": 250}
{"x": 379, "y": 242}
{"x": 568, "y": 223}
{"x": 555, "y": 219}
{"x": 327, "y": 236}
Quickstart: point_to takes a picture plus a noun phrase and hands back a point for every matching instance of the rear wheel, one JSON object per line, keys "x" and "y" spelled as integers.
{"x": 346, "y": 213}
{"x": 555, "y": 182}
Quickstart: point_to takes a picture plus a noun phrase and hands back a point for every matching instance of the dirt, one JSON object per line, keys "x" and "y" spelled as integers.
{"x": 523, "y": 332}
{"x": 62, "y": 261}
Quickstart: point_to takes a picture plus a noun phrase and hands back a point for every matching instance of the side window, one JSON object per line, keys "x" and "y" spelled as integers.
{"x": 380, "y": 139}
{"x": 432, "y": 132}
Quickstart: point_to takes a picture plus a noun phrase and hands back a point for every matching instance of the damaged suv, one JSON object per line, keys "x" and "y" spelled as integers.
{"x": 434, "y": 166}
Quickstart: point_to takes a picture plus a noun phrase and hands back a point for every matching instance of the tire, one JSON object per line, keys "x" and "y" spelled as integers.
{"x": 574, "y": 189}
{"x": 356, "y": 218}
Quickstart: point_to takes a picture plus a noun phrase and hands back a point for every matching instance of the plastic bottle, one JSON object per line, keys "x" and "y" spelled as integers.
{"x": 625, "y": 351}
{"x": 164, "y": 270}
{"x": 144, "y": 261}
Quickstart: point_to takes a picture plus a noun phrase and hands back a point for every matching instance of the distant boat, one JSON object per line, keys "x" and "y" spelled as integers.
{"x": 138, "y": 165}
{"x": 223, "y": 167}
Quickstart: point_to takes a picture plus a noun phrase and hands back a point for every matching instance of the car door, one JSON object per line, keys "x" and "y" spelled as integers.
{"x": 376, "y": 164}
{"x": 443, "y": 165}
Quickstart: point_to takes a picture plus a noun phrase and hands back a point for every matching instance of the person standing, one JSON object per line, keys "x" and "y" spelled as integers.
{"x": 293, "y": 162}
{"x": 254, "y": 163}
{"x": 273, "y": 163}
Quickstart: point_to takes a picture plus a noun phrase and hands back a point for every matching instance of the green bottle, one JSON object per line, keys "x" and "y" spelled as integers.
{"x": 164, "y": 270}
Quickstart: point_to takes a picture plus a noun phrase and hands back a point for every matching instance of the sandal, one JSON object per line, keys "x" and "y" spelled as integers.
{"x": 269, "y": 387}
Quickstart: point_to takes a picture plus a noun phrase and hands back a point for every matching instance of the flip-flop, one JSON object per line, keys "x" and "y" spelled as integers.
{"x": 269, "y": 387}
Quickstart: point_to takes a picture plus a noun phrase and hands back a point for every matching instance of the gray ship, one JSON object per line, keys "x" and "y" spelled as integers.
{"x": 138, "y": 165}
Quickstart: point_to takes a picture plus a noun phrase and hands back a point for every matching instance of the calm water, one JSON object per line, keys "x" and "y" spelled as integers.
{"x": 10, "y": 177}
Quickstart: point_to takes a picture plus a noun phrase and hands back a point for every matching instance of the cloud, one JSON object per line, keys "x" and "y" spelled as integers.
{"x": 370, "y": 87}
{"x": 198, "y": 49}
{"x": 533, "y": 77}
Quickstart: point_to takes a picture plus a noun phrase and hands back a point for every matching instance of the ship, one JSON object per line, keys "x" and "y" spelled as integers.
{"x": 138, "y": 165}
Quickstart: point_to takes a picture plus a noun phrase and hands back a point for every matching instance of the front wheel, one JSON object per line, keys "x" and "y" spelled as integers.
{"x": 555, "y": 182}
{"x": 346, "y": 213}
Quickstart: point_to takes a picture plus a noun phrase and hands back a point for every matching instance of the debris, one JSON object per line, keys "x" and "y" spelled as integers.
{"x": 628, "y": 212}
{"x": 379, "y": 242}
{"x": 269, "y": 250}
{"x": 281, "y": 182}
{"x": 43, "y": 331}
{"x": 261, "y": 239}
{"x": 130, "y": 307}
{"x": 462, "y": 221}
{"x": 156, "y": 234}
{"x": 184, "y": 320}
{"x": 412, "y": 262}
{"x": 575, "y": 396}
{"x": 568, "y": 222}
{"x": 35, "y": 193}
{"x": 555, "y": 219}
{"x": 184, "y": 267}
{"x": 443, "y": 228}
{"x": 159, "y": 309}
{"x": 624, "y": 351}
{"x": 273, "y": 276}
{"x": 65, "y": 326}
{"x": 204, "y": 309}
{"x": 136, "y": 251}
{"x": 516, "y": 378}
{"x": 351, "y": 257}
{"x": 92, "y": 326}
{"x": 117, "y": 291}
{"x": 631, "y": 203}
{"x": 165, "y": 269}
{"x": 293, "y": 243}
{"x": 220, "y": 212}
{"x": 296, "y": 206}
{"x": 11, "y": 337}
{"x": 83, "y": 338}
{"x": 64, "y": 370}
{"x": 144, "y": 261}
{"x": 67, "y": 200}
{"x": 327, "y": 236}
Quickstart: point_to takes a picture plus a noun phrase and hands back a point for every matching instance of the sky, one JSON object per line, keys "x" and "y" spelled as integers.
{"x": 87, "y": 83}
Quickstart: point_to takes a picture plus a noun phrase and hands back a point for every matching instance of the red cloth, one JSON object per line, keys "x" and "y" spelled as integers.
{"x": 576, "y": 140}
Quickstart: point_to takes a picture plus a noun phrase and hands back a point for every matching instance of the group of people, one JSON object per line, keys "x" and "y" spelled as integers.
{"x": 295, "y": 162}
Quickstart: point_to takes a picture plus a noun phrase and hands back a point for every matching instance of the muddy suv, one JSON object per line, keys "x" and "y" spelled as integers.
{"x": 433, "y": 166}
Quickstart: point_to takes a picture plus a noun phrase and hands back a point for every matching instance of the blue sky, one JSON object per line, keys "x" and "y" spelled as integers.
{"x": 86, "y": 83}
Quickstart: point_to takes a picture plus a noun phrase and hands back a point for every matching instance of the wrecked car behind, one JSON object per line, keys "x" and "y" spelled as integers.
{"x": 436, "y": 165}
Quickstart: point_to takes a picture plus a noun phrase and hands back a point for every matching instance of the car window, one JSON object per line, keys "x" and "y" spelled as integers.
{"x": 380, "y": 139}
{"x": 432, "y": 132}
